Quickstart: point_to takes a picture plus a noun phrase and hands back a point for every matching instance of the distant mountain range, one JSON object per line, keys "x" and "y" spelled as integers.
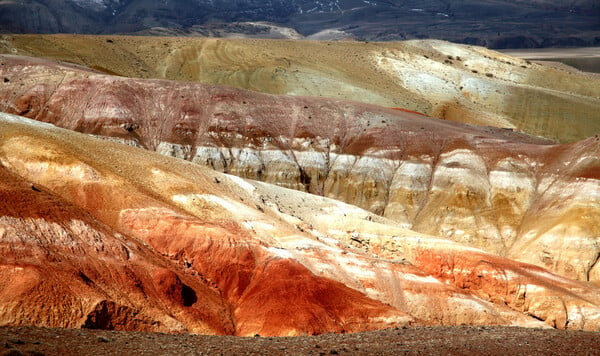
{"x": 494, "y": 24}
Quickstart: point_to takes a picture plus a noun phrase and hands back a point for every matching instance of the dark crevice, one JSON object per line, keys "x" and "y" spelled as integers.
{"x": 85, "y": 278}
{"x": 188, "y": 295}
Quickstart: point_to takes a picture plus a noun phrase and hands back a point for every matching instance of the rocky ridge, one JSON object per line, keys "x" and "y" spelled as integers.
{"x": 507, "y": 193}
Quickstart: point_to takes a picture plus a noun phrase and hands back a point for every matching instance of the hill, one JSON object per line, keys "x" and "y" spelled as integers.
{"x": 440, "y": 79}
{"x": 139, "y": 193}
{"x": 489, "y": 188}
{"x": 172, "y": 246}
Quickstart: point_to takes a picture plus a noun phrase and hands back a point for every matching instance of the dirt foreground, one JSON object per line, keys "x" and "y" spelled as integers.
{"x": 462, "y": 340}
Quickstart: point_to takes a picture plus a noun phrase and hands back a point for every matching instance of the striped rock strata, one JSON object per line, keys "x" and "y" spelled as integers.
{"x": 173, "y": 246}
{"x": 449, "y": 81}
{"x": 507, "y": 193}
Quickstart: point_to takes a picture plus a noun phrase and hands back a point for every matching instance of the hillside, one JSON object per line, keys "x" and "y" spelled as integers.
{"x": 172, "y": 246}
{"x": 294, "y": 188}
{"x": 489, "y": 188}
{"x": 443, "y": 80}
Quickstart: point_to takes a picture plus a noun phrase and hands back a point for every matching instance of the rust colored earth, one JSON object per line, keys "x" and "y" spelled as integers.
{"x": 153, "y": 205}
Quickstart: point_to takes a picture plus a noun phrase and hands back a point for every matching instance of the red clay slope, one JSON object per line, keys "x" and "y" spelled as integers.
{"x": 61, "y": 267}
{"x": 148, "y": 112}
{"x": 239, "y": 260}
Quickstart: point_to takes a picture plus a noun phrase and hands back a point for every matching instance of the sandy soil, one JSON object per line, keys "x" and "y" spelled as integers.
{"x": 461, "y": 340}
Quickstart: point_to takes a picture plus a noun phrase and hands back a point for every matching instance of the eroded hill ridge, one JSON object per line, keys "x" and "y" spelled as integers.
{"x": 489, "y": 188}
{"x": 172, "y": 246}
{"x": 454, "y": 82}
{"x": 448, "y": 224}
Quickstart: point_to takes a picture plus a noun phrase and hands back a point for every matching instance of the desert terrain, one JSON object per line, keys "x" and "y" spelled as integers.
{"x": 453, "y": 82}
{"x": 243, "y": 188}
{"x": 457, "y": 340}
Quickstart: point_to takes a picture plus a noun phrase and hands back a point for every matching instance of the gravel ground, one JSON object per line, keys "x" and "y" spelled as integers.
{"x": 461, "y": 340}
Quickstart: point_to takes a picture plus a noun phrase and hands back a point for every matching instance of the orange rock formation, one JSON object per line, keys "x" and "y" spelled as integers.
{"x": 132, "y": 240}
{"x": 489, "y": 188}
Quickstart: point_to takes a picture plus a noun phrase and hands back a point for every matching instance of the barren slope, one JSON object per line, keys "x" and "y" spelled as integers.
{"x": 507, "y": 193}
{"x": 116, "y": 281}
{"x": 281, "y": 269}
{"x": 59, "y": 266}
{"x": 440, "y": 79}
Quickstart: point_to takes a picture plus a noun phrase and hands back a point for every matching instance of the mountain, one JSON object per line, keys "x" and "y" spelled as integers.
{"x": 494, "y": 24}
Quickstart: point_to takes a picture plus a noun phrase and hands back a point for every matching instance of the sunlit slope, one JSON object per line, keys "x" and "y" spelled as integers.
{"x": 170, "y": 246}
{"x": 440, "y": 79}
{"x": 494, "y": 189}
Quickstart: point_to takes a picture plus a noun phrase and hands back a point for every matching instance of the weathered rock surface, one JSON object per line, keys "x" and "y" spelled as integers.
{"x": 60, "y": 267}
{"x": 443, "y": 80}
{"x": 232, "y": 255}
{"x": 498, "y": 190}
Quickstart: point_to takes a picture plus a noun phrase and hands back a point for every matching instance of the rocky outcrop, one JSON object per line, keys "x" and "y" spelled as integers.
{"x": 228, "y": 255}
{"x": 490, "y": 188}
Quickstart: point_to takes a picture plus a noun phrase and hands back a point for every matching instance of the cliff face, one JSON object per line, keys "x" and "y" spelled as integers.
{"x": 173, "y": 246}
{"x": 448, "y": 81}
{"x": 504, "y": 192}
